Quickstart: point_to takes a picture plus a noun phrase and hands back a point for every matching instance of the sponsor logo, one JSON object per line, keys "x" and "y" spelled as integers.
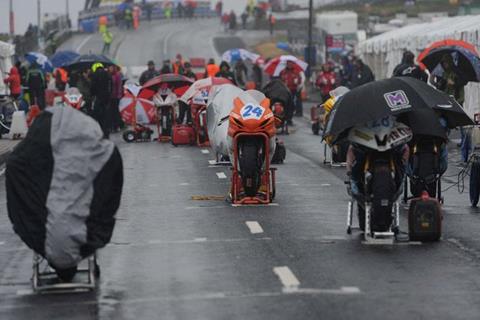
{"x": 397, "y": 100}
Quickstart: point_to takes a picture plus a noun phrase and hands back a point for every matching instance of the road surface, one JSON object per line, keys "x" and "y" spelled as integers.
{"x": 172, "y": 257}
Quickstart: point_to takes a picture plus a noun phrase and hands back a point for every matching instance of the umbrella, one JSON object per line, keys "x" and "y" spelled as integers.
{"x": 41, "y": 60}
{"x": 234, "y": 55}
{"x": 176, "y": 82}
{"x": 86, "y": 61}
{"x": 203, "y": 85}
{"x": 464, "y": 53}
{"x": 63, "y": 58}
{"x": 278, "y": 64}
{"x": 395, "y": 96}
{"x": 276, "y": 90}
{"x": 130, "y": 102}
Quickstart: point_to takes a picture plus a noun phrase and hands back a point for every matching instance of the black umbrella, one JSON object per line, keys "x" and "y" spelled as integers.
{"x": 87, "y": 60}
{"x": 276, "y": 90}
{"x": 394, "y": 97}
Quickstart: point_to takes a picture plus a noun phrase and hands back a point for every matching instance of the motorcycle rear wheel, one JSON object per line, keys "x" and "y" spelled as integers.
{"x": 475, "y": 182}
{"x": 250, "y": 169}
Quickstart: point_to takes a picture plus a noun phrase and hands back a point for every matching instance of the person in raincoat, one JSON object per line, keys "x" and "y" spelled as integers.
{"x": 128, "y": 17}
{"x": 36, "y": 86}
{"x": 226, "y": 73}
{"x": 101, "y": 89}
{"x": 211, "y": 69}
{"x": 107, "y": 41}
{"x": 14, "y": 83}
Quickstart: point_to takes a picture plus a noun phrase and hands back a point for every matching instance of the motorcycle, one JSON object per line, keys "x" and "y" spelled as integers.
{"x": 251, "y": 144}
{"x": 73, "y": 98}
{"x": 166, "y": 103}
{"x": 377, "y": 178}
{"x": 198, "y": 109}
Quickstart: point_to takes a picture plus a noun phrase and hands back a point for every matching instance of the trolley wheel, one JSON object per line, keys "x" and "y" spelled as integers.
{"x": 129, "y": 136}
{"x": 475, "y": 183}
{"x": 361, "y": 217}
{"x": 316, "y": 128}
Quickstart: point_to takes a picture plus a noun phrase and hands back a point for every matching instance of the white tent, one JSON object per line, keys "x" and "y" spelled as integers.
{"x": 6, "y": 52}
{"x": 383, "y": 52}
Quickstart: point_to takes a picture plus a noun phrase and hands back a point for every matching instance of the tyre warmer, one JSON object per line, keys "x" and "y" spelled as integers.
{"x": 64, "y": 184}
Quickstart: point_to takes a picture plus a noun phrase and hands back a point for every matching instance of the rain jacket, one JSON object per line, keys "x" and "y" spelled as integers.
{"x": 292, "y": 79}
{"x": 14, "y": 81}
{"x": 326, "y": 82}
{"x": 147, "y": 75}
{"x": 212, "y": 70}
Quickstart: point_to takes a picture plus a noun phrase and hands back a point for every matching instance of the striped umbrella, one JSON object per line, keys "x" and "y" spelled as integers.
{"x": 278, "y": 64}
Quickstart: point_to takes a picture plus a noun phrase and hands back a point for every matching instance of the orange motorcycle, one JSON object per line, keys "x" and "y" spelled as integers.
{"x": 251, "y": 140}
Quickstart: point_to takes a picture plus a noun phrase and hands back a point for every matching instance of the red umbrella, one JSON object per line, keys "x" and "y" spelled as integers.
{"x": 278, "y": 64}
{"x": 136, "y": 109}
{"x": 171, "y": 81}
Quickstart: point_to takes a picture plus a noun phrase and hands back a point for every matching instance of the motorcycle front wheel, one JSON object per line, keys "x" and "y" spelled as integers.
{"x": 250, "y": 168}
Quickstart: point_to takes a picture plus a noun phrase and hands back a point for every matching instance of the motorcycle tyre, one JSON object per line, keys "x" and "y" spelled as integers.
{"x": 475, "y": 183}
{"x": 129, "y": 136}
{"x": 249, "y": 169}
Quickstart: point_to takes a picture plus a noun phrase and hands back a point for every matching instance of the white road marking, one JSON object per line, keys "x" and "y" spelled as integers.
{"x": 200, "y": 239}
{"x": 221, "y": 175}
{"x": 184, "y": 184}
{"x": 255, "y": 205}
{"x": 212, "y": 162}
{"x": 2, "y": 172}
{"x": 165, "y": 44}
{"x": 254, "y": 226}
{"x": 80, "y": 46}
{"x": 2, "y": 243}
{"x": 325, "y": 184}
{"x": 288, "y": 279}
{"x": 205, "y": 151}
{"x": 24, "y": 292}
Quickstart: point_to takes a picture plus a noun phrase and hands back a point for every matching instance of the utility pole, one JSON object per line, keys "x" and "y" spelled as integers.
{"x": 67, "y": 9}
{"x": 12, "y": 21}
{"x": 310, "y": 37}
{"x": 39, "y": 18}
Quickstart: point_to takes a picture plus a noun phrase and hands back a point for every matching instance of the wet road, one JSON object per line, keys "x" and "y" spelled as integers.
{"x": 172, "y": 257}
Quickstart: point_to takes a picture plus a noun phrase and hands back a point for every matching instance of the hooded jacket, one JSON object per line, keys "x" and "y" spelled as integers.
{"x": 14, "y": 81}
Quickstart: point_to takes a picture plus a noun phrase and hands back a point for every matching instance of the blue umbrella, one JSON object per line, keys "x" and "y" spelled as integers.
{"x": 41, "y": 60}
{"x": 234, "y": 55}
{"x": 123, "y": 6}
{"x": 63, "y": 58}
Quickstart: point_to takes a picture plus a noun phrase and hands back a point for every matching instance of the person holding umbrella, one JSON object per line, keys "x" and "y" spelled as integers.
{"x": 101, "y": 89}
{"x": 148, "y": 74}
{"x": 226, "y": 73}
{"x": 293, "y": 80}
{"x": 408, "y": 68}
{"x": 361, "y": 74}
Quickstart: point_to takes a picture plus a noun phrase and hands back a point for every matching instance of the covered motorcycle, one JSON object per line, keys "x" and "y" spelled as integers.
{"x": 281, "y": 102}
{"x": 64, "y": 184}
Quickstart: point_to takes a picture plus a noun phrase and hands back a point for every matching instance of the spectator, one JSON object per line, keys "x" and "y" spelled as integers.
{"x": 84, "y": 86}
{"x": 22, "y": 71}
{"x": 271, "y": 23}
{"x": 101, "y": 89}
{"x": 14, "y": 83}
{"x": 61, "y": 79}
{"x": 346, "y": 72}
{"x": 361, "y": 74}
{"x": 244, "y": 18}
{"x": 188, "y": 71}
{"x": 177, "y": 65}
{"x": 148, "y": 9}
{"x": 36, "y": 86}
{"x": 219, "y": 8}
{"x": 117, "y": 93}
{"x": 166, "y": 67}
{"x": 148, "y": 74}
{"x": 408, "y": 68}
{"x": 128, "y": 18}
{"x": 293, "y": 80}
{"x": 241, "y": 72}
{"x": 257, "y": 75}
{"x": 225, "y": 21}
{"x": 450, "y": 81}
{"x": 232, "y": 20}
{"x": 326, "y": 81}
{"x": 211, "y": 69}
{"x": 180, "y": 10}
{"x": 226, "y": 73}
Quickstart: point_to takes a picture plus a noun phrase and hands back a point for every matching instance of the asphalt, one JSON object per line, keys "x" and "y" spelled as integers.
{"x": 172, "y": 257}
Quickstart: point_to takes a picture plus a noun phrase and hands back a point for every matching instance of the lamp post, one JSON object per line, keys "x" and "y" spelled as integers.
{"x": 11, "y": 21}
{"x": 38, "y": 21}
{"x": 310, "y": 48}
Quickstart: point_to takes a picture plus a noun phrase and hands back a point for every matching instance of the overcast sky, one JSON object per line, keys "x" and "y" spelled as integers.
{"x": 26, "y": 10}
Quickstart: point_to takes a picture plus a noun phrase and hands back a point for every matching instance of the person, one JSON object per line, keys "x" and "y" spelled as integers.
{"x": 22, "y": 71}
{"x": 219, "y": 8}
{"x": 271, "y": 23}
{"x": 128, "y": 18}
{"x": 136, "y": 17}
{"x": 101, "y": 89}
{"x": 257, "y": 75}
{"x": 167, "y": 10}
{"x": 84, "y": 85}
{"x": 14, "y": 83}
{"x": 166, "y": 67}
{"x": 408, "y": 68}
{"x": 180, "y": 10}
{"x": 117, "y": 93}
{"x": 293, "y": 80}
{"x": 244, "y": 18}
{"x": 361, "y": 74}
{"x": 232, "y": 20}
{"x": 107, "y": 41}
{"x": 148, "y": 74}
{"x": 225, "y": 72}
{"x": 212, "y": 68}
{"x": 450, "y": 81}
{"x": 177, "y": 65}
{"x": 148, "y": 9}
{"x": 326, "y": 81}
{"x": 241, "y": 73}
{"x": 187, "y": 72}
{"x": 346, "y": 71}
{"x": 61, "y": 79}
{"x": 36, "y": 86}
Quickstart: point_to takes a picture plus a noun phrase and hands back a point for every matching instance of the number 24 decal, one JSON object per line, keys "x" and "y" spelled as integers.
{"x": 252, "y": 112}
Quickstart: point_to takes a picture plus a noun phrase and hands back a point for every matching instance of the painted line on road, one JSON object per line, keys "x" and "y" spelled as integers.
{"x": 255, "y": 205}
{"x": 254, "y": 226}
{"x": 2, "y": 243}
{"x": 199, "y": 240}
{"x": 325, "y": 185}
{"x": 184, "y": 184}
{"x": 287, "y": 278}
{"x": 205, "y": 151}
{"x": 212, "y": 162}
{"x": 80, "y": 46}
{"x": 221, "y": 175}
{"x": 165, "y": 44}
{"x": 2, "y": 172}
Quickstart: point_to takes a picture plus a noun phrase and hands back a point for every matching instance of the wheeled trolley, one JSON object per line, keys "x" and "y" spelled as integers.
{"x": 45, "y": 279}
